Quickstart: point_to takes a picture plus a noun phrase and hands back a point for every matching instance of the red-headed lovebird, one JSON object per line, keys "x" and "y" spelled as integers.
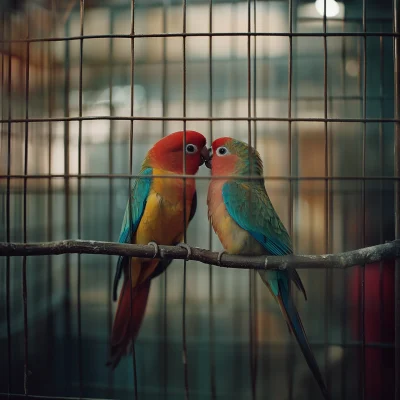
{"x": 246, "y": 223}
{"x": 156, "y": 216}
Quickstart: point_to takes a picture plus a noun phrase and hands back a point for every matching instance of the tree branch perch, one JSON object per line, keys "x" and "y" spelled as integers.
{"x": 367, "y": 255}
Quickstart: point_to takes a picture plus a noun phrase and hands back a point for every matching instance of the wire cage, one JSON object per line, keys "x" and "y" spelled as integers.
{"x": 88, "y": 86}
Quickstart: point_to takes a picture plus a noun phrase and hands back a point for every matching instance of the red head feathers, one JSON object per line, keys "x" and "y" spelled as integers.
{"x": 167, "y": 153}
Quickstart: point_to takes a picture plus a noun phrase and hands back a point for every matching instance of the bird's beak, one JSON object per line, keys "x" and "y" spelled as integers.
{"x": 209, "y": 158}
{"x": 205, "y": 157}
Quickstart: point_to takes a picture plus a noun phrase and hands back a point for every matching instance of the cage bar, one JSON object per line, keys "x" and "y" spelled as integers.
{"x": 396, "y": 23}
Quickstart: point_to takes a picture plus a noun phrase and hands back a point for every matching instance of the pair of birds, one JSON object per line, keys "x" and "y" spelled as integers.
{"x": 240, "y": 212}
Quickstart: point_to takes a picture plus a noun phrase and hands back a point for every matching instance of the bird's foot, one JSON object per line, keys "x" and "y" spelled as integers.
{"x": 220, "y": 254}
{"x": 156, "y": 248}
{"x": 188, "y": 249}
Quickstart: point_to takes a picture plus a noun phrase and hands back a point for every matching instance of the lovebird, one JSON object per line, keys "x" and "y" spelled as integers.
{"x": 159, "y": 214}
{"x": 246, "y": 223}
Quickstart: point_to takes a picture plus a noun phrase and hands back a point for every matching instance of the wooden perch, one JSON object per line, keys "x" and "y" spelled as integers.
{"x": 367, "y": 255}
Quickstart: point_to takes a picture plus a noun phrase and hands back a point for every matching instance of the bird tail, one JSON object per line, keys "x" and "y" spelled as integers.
{"x": 294, "y": 322}
{"x": 128, "y": 319}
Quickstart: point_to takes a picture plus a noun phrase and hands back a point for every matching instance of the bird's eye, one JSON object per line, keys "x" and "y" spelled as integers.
{"x": 191, "y": 148}
{"x": 222, "y": 151}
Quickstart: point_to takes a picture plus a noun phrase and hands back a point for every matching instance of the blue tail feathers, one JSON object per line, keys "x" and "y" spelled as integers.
{"x": 296, "y": 326}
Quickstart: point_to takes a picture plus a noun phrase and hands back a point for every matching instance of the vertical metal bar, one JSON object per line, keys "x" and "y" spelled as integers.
{"x": 255, "y": 71}
{"x": 67, "y": 230}
{"x": 381, "y": 198}
{"x": 213, "y": 383}
{"x": 130, "y": 182}
{"x": 51, "y": 100}
{"x": 40, "y": 139}
{"x": 249, "y": 140}
{"x": 24, "y": 278}
{"x": 2, "y": 100}
{"x": 330, "y": 196}
{"x": 396, "y": 17}
{"x": 290, "y": 90}
{"x": 8, "y": 220}
{"x": 164, "y": 90}
{"x": 164, "y": 281}
{"x": 234, "y": 96}
{"x": 328, "y": 274}
{"x": 294, "y": 184}
{"x": 3, "y": 33}
{"x": 343, "y": 393}
{"x": 253, "y": 273}
{"x": 290, "y": 353}
{"x": 360, "y": 332}
{"x": 184, "y": 344}
{"x": 235, "y": 58}
{"x": 110, "y": 193}
{"x": 329, "y": 223}
{"x": 79, "y": 205}
{"x": 364, "y": 148}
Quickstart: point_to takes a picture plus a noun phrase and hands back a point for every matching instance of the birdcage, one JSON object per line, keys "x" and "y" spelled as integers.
{"x": 87, "y": 87}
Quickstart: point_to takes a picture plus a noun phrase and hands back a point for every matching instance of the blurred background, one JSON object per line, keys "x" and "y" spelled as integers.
{"x": 51, "y": 80}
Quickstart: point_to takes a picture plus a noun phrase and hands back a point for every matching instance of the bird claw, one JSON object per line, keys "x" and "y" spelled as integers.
{"x": 220, "y": 254}
{"x": 156, "y": 248}
{"x": 188, "y": 249}
{"x": 265, "y": 262}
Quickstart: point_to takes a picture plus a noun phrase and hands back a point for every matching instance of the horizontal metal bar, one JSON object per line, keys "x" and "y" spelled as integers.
{"x": 367, "y": 255}
{"x": 203, "y": 34}
{"x": 246, "y": 119}
{"x": 346, "y": 19}
{"x": 270, "y": 178}
{"x": 32, "y": 396}
{"x": 322, "y": 98}
{"x": 313, "y": 343}
{"x": 374, "y": 345}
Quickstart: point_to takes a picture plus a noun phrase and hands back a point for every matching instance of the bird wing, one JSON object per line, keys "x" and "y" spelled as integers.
{"x": 139, "y": 194}
{"x": 249, "y": 206}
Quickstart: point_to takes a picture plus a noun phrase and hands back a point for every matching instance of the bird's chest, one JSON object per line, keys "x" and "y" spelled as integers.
{"x": 234, "y": 239}
{"x": 167, "y": 211}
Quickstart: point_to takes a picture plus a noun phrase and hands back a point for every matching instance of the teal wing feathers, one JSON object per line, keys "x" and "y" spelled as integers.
{"x": 251, "y": 208}
{"x": 140, "y": 192}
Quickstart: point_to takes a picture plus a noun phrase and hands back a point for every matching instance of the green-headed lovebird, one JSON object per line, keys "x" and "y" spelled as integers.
{"x": 156, "y": 216}
{"x": 246, "y": 223}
